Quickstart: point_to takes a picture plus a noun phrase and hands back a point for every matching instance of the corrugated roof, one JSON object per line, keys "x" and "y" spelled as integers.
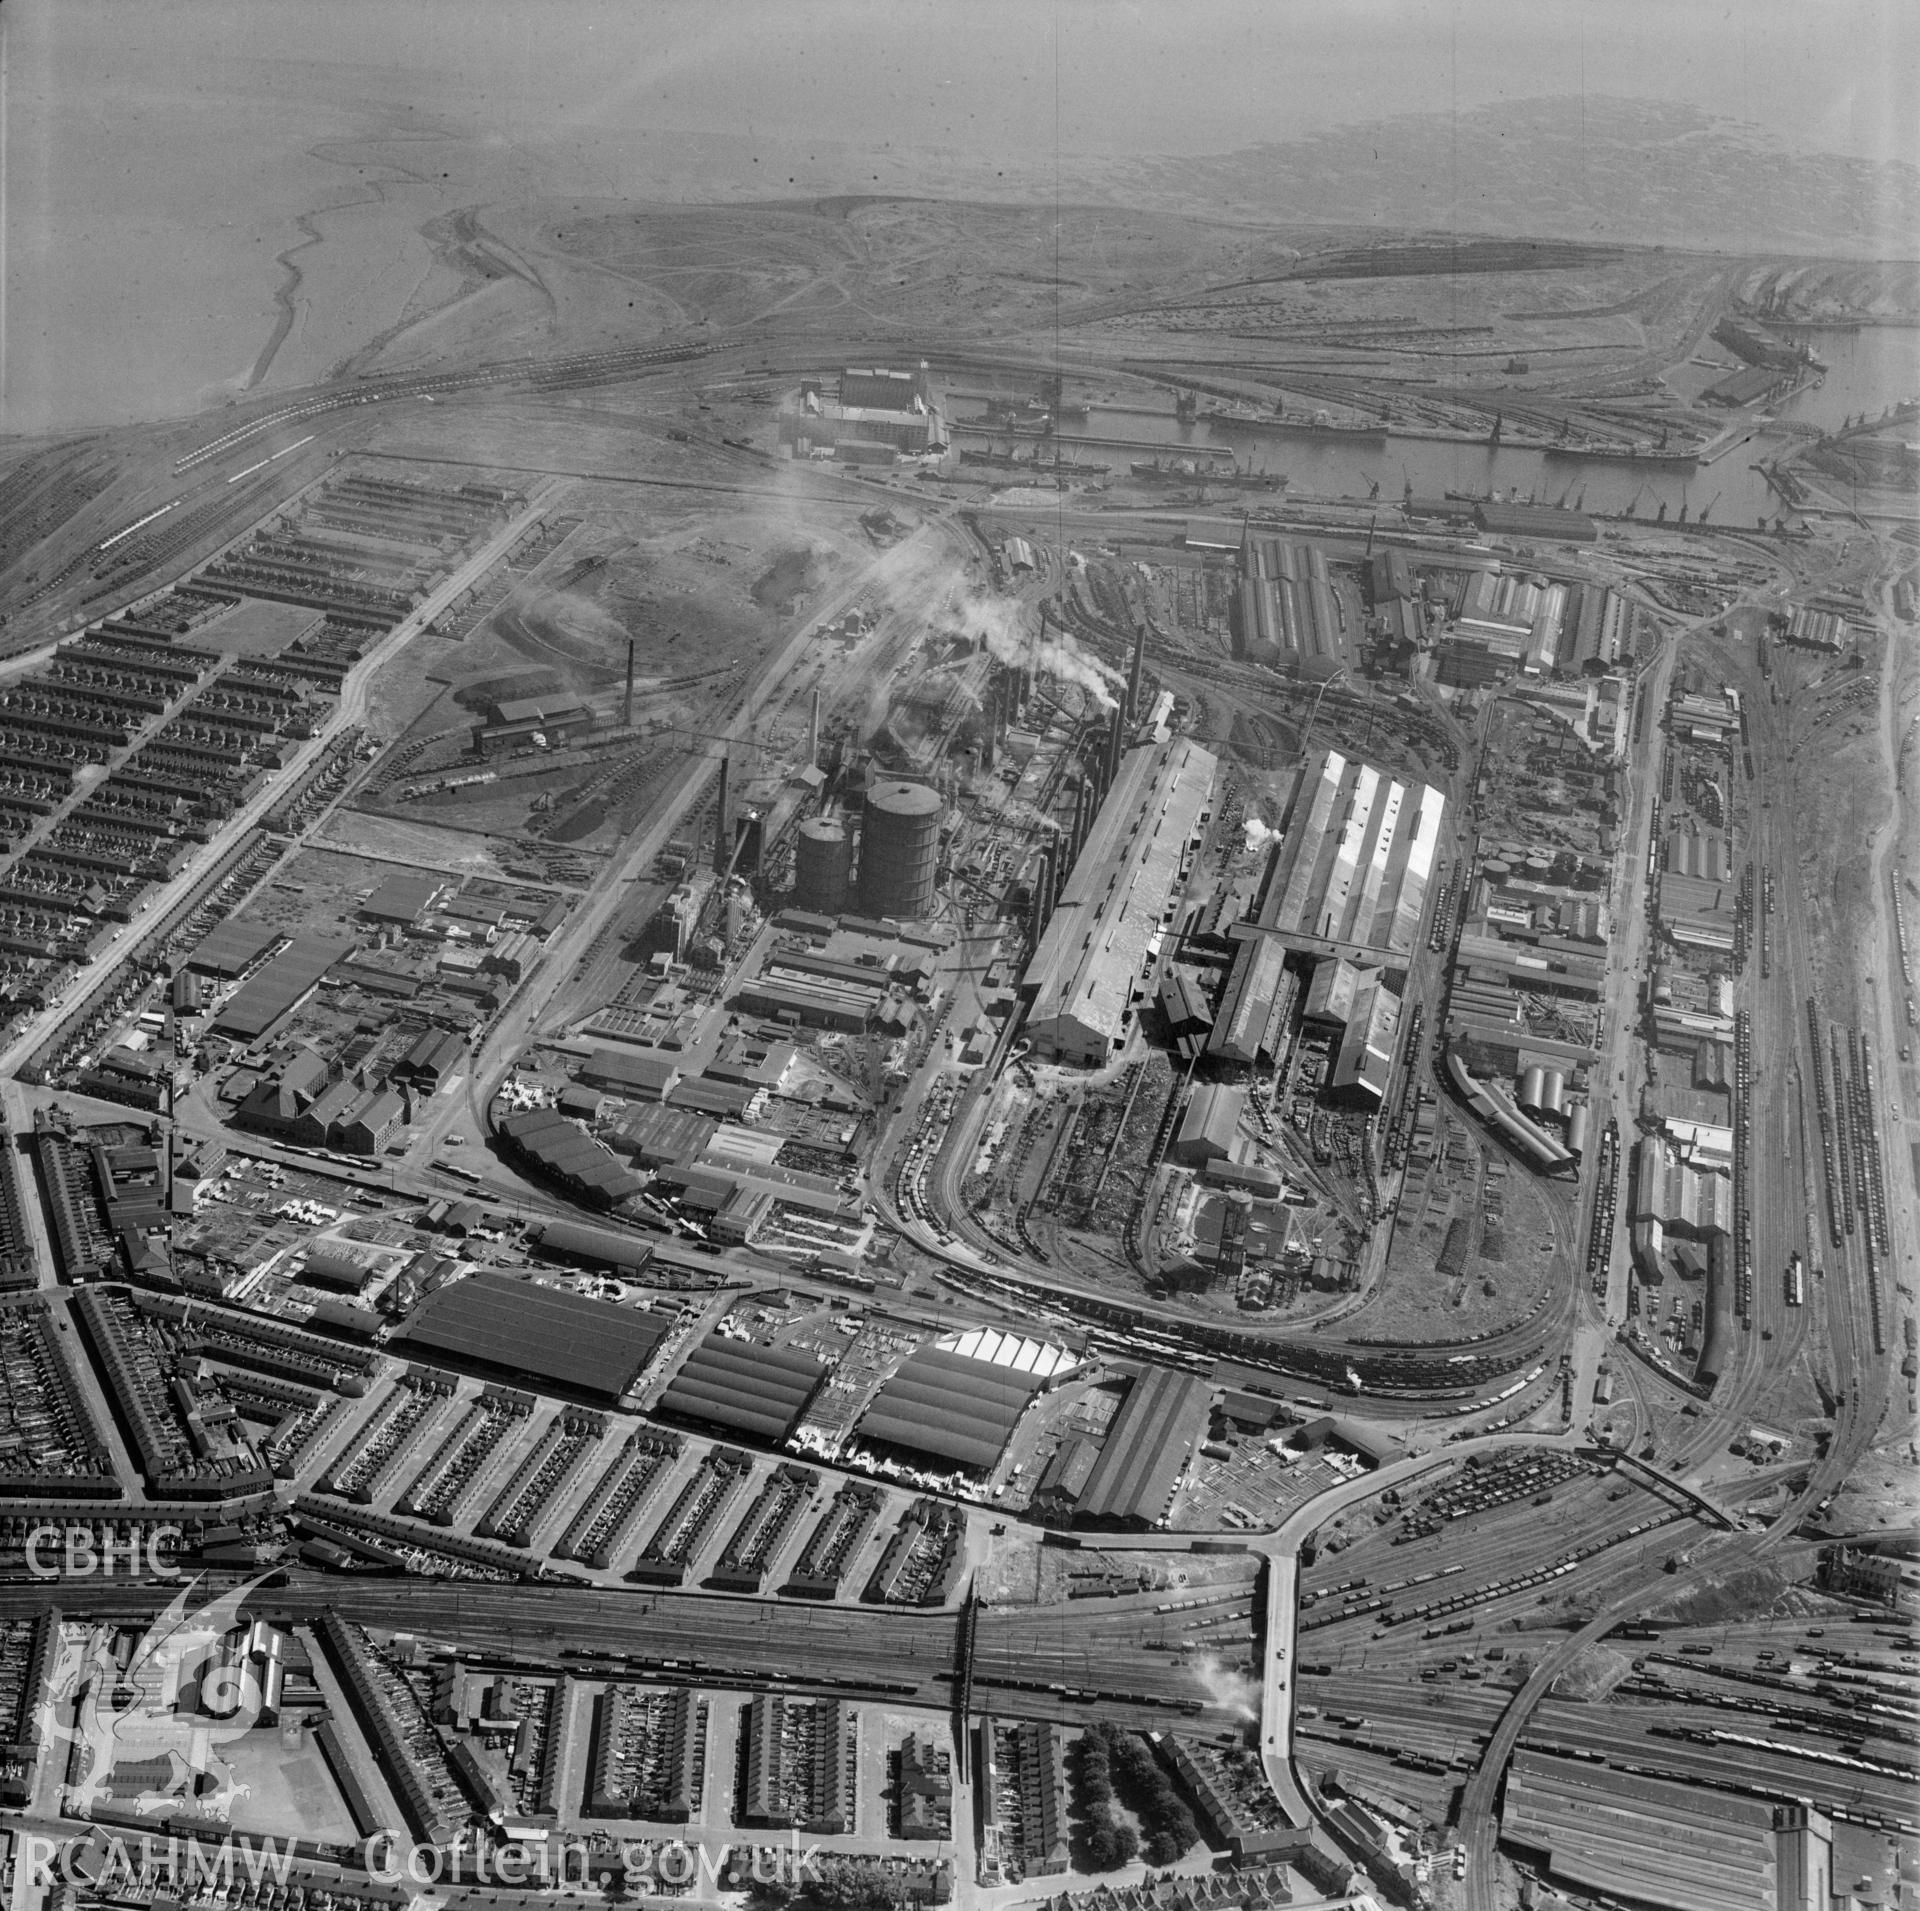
{"x": 556, "y": 1144}
{"x": 625, "y": 1068}
{"x": 235, "y": 945}
{"x": 600, "y": 1245}
{"x": 546, "y": 1333}
{"x": 1355, "y": 858}
{"x": 401, "y": 897}
{"x": 711, "y": 1098}
{"x": 945, "y": 1406}
{"x": 1246, "y": 1006}
{"x": 743, "y": 1385}
{"x": 1162, "y": 1419}
{"x": 1082, "y": 974}
{"x": 272, "y": 991}
{"x": 1039, "y": 1358}
{"x": 1211, "y": 1121}
{"x": 1657, "y": 1840}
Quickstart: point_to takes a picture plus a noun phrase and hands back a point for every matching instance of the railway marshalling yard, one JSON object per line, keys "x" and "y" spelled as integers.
{"x": 743, "y": 1040}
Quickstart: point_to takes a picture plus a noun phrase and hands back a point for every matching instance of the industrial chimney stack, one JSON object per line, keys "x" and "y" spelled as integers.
{"x": 626, "y": 708}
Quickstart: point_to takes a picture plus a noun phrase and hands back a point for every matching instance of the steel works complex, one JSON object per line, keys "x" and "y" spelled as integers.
{"x": 1111, "y": 1185}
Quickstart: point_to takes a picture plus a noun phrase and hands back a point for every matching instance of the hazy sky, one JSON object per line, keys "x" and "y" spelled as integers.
{"x": 159, "y": 154}
{"x": 1174, "y": 76}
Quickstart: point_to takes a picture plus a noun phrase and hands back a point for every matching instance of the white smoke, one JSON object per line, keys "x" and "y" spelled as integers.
{"x": 997, "y": 622}
{"x": 920, "y": 577}
{"x": 1232, "y": 1691}
{"x": 1030, "y": 818}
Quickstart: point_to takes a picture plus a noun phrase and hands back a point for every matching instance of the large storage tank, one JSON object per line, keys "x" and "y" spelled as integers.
{"x": 1532, "y": 1085}
{"x": 1579, "y": 1126}
{"x": 822, "y": 866}
{"x": 899, "y": 849}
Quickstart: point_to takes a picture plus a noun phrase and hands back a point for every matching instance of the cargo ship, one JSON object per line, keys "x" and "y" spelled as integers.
{"x": 1374, "y": 437}
{"x": 1173, "y": 471}
{"x": 1621, "y": 454}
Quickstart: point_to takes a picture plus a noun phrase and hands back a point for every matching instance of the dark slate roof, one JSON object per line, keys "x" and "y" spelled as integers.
{"x": 949, "y": 1408}
{"x": 1163, "y": 1418}
{"x": 743, "y": 1386}
{"x": 537, "y": 1333}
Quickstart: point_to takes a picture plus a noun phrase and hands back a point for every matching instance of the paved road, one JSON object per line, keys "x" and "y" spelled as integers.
{"x": 354, "y": 692}
{"x": 553, "y": 995}
{"x": 1281, "y": 1549}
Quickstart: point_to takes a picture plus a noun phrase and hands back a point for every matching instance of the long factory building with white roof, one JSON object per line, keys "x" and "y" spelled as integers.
{"x": 1355, "y": 861}
{"x": 1107, "y": 920}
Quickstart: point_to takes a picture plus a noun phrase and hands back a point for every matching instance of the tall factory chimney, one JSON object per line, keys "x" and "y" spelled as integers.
{"x": 1116, "y": 742}
{"x": 626, "y": 708}
{"x": 813, "y": 732}
{"x": 1133, "y": 675}
{"x": 722, "y": 835}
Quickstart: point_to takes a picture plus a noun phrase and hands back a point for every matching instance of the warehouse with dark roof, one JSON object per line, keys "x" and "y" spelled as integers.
{"x": 1661, "y": 1842}
{"x": 743, "y": 1386}
{"x": 501, "y": 1325}
{"x": 402, "y": 897}
{"x": 948, "y": 1409}
{"x": 546, "y": 1142}
{"x": 232, "y": 948}
{"x": 278, "y": 988}
{"x": 1161, "y": 1421}
{"x": 1210, "y": 1124}
{"x": 593, "y": 1247}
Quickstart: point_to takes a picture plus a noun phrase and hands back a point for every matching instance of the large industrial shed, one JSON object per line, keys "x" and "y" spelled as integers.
{"x": 511, "y": 1328}
{"x": 1661, "y": 1842}
{"x": 1255, "y": 1005}
{"x": 280, "y": 987}
{"x": 1161, "y": 1421}
{"x": 1356, "y": 855}
{"x": 402, "y": 897}
{"x": 232, "y": 948}
{"x": 594, "y": 1247}
{"x": 1081, "y": 979}
{"x": 1287, "y": 617}
{"x": 950, "y": 1409}
{"x": 637, "y": 1075}
{"x": 545, "y": 1141}
{"x": 743, "y": 1386}
{"x": 1208, "y": 1128}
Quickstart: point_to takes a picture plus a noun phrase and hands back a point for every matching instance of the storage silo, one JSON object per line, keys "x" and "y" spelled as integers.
{"x": 1532, "y": 1083}
{"x": 822, "y": 866}
{"x": 899, "y": 849}
{"x": 1579, "y": 1125}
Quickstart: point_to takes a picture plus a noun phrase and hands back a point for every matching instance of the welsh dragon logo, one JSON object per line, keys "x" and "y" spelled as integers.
{"x": 188, "y": 1690}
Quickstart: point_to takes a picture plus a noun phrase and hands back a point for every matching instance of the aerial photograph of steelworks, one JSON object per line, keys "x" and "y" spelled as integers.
{"x": 959, "y": 955}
